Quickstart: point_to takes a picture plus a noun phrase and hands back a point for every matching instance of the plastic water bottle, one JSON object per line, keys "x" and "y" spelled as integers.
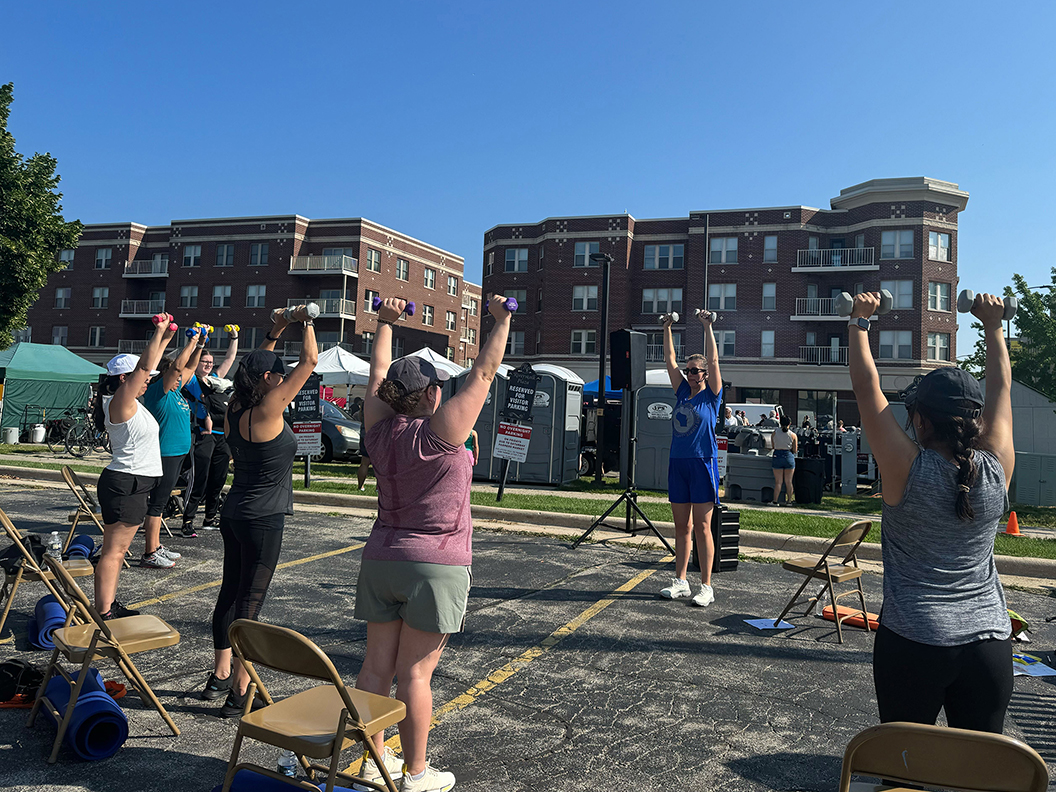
{"x": 288, "y": 763}
{"x": 55, "y": 545}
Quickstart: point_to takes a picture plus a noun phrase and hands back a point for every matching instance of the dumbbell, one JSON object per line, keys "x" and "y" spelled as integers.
{"x": 207, "y": 329}
{"x": 311, "y": 309}
{"x": 699, "y": 311}
{"x": 191, "y": 332}
{"x": 231, "y": 328}
{"x": 966, "y": 299}
{"x": 409, "y": 310}
{"x": 673, "y": 316}
{"x": 159, "y": 318}
{"x": 845, "y": 303}
{"x": 510, "y": 302}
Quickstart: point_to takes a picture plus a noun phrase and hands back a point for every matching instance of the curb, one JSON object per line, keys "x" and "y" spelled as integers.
{"x": 754, "y": 540}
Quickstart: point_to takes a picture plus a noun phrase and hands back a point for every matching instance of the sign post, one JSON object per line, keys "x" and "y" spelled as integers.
{"x": 511, "y": 440}
{"x": 307, "y": 423}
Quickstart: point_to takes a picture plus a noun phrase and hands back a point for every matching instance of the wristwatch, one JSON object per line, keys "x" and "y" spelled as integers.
{"x": 859, "y": 321}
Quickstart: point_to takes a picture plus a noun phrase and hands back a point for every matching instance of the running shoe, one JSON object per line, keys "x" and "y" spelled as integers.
{"x": 118, "y": 611}
{"x": 188, "y": 532}
{"x": 156, "y": 560}
{"x": 704, "y": 597}
{"x": 172, "y": 555}
{"x": 370, "y": 771}
{"x": 431, "y": 780}
{"x": 236, "y": 704}
{"x": 215, "y": 687}
{"x": 679, "y": 588}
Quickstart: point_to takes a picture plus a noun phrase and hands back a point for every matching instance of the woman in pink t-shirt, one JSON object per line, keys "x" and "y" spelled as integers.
{"x": 415, "y": 575}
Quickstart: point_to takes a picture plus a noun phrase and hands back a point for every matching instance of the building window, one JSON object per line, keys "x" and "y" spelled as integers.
{"x": 100, "y": 297}
{"x": 25, "y": 335}
{"x": 368, "y": 301}
{"x": 939, "y": 346}
{"x": 368, "y": 343}
{"x": 584, "y": 342}
{"x": 258, "y": 254}
{"x": 769, "y": 249}
{"x": 938, "y": 246}
{"x": 427, "y": 315}
{"x": 517, "y": 260}
{"x": 469, "y": 362}
{"x": 539, "y": 299}
{"x": 62, "y": 297}
{"x": 255, "y": 296}
{"x": 161, "y": 261}
{"x": 225, "y": 255}
{"x": 859, "y": 241}
{"x": 221, "y": 296}
{"x": 373, "y": 260}
{"x": 397, "y": 347}
{"x": 96, "y": 336}
{"x": 450, "y": 353}
{"x": 59, "y": 335}
{"x": 490, "y": 266}
{"x": 769, "y": 296}
{"x": 430, "y": 278}
{"x": 584, "y": 298}
{"x": 542, "y": 254}
{"x": 67, "y": 256}
{"x": 521, "y": 296}
{"x": 474, "y": 306}
{"x": 189, "y": 296}
{"x": 102, "y": 260}
{"x": 896, "y": 244}
{"x": 515, "y": 342}
{"x": 452, "y": 285}
{"x": 896, "y": 344}
{"x": 725, "y": 341}
{"x": 664, "y": 256}
{"x": 660, "y": 301}
{"x": 192, "y": 255}
{"x": 724, "y": 250}
{"x": 766, "y": 344}
{"x": 938, "y": 296}
{"x": 722, "y": 297}
{"x": 538, "y": 342}
{"x": 901, "y": 292}
{"x": 471, "y": 336}
{"x": 583, "y": 251}
{"x": 450, "y": 321}
{"x": 403, "y": 269}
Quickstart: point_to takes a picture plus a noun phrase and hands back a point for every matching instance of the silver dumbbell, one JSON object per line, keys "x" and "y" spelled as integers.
{"x": 845, "y": 303}
{"x": 673, "y": 316}
{"x": 311, "y": 309}
{"x": 699, "y": 311}
{"x": 966, "y": 299}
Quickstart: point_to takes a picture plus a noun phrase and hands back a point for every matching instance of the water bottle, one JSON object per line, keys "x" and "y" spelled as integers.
{"x": 288, "y": 763}
{"x": 55, "y": 546}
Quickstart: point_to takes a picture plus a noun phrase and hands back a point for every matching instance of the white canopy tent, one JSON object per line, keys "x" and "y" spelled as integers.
{"x": 339, "y": 367}
{"x": 438, "y": 360}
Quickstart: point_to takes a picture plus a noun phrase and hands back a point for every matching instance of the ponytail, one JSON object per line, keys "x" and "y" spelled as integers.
{"x": 962, "y": 436}
{"x": 107, "y": 386}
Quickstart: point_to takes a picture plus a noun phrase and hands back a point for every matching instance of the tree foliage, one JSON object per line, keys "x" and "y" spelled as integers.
{"x": 32, "y": 228}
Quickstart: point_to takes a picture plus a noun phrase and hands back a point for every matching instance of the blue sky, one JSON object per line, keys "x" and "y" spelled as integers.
{"x": 443, "y": 119}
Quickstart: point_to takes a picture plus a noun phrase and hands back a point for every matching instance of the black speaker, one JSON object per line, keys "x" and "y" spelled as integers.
{"x": 627, "y": 362}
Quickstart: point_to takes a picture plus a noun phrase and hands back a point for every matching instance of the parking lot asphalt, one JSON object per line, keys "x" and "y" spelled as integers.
{"x": 572, "y": 673}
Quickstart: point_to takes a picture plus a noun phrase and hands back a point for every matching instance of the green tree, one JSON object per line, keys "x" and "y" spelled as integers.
{"x": 32, "y": 228}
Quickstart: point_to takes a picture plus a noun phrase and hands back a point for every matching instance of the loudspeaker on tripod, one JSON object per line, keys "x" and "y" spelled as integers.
{"x": 627, "y": 362}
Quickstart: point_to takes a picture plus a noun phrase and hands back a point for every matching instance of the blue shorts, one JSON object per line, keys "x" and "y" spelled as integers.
{"x": 693, "y": 481}
{"x": 784, "y": 460}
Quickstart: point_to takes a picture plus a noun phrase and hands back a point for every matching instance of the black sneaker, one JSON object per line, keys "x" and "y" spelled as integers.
{"x": 211, "y": 523}
{"x": 236, "y": 704}
{"x": 215, "y": 688}
{"x": 188, "y": 531}
{"x": 118, "y": 611}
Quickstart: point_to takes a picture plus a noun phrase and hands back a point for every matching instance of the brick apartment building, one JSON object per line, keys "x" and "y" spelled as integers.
{"x": 237, "y": 270}
{"x": 771, "y": 274}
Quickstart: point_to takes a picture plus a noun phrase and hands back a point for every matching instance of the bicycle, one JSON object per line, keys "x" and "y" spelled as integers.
{"x": 55, "y": 429}
{"x": 85, "y": 436}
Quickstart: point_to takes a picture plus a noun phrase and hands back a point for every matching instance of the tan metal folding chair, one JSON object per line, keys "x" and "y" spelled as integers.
{"x": 87, "y": 508}
{"x": 30, "y": 571}
{"x": 319, "y": 722}
{"x": 845, "y": 545}
{"x": 937, "y": 756}
{"x": 81, "y": 644}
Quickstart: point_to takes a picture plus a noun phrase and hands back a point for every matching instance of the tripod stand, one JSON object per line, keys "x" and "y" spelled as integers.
{"x": 630, "y": 495}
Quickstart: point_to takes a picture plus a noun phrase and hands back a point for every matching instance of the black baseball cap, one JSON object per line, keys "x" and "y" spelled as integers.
{"x": 260, "y": 361}
{"x": 414, "y": 373}
{"x": 948, "y": 390}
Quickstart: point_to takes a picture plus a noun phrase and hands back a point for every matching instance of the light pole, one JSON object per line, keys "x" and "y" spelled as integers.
{"x": 604, "y": 260}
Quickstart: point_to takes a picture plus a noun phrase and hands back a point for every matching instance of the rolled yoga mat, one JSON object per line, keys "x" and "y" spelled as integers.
{"x": 98, "y": 727}
{"x": 248, "y": 781}
{"x": 82, "y": 546}
{"x": 48, "y": 615}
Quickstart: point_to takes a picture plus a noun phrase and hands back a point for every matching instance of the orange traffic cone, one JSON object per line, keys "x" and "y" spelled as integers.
{"x": 1012, "y": 529}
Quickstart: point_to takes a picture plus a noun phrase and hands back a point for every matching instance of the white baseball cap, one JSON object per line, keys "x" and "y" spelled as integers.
{"x": 124, "y": 364}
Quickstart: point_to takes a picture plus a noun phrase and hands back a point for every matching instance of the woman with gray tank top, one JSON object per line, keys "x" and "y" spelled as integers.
{"x": 944, "y": 640}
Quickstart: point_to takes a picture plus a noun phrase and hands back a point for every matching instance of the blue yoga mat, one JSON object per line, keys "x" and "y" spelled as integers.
{"x": 48, "y": 615}
{"x": 248, "y": 781}
{"x": 98, "y": 727}
{"x": 82, "y": 546}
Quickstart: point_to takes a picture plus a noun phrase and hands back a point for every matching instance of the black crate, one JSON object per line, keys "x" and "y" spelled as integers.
{"x": 726, "y": 534}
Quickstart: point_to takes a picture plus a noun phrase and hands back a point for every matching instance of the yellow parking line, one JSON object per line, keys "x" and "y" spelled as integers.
{"x": 215, "y": 583}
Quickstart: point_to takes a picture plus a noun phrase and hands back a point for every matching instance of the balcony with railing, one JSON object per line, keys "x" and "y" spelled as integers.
{"x": 654, "y": 353}
{"x": 132, "y": 346}
{"x": 817, "y": 309}
{"x": 141, "y": 309}
{"x": 323, "y": 265}
{"x": 293, "y": 348}
{"x": 823, "y": 355}
{"x": 329, "y": 308}
{"x": 147, "y": 268}
{"x": 845, "y": 259}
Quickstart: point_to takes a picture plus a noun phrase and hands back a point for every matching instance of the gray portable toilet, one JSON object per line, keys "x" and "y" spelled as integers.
{"x": 553, "y": 454}
{"x": 653, "y": 407}
{"x": 487, "y": 422}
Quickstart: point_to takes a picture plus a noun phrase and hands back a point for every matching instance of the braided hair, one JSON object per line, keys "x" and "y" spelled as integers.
{"x": 962, "y": 436}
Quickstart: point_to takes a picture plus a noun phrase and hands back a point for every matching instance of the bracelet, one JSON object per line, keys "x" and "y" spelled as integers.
{"x": 269, "y": 337}
{"x": 200, "y": 346}
{"x": 309, "y": 323}
{"x": 386, "y": 321}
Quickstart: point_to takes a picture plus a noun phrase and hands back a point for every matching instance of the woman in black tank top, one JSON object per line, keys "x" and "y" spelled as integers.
{"x": 253, "y": 517}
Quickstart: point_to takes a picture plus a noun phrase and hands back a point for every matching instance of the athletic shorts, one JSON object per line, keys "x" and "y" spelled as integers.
{"x": 166, "y": 483}
{"x": 429, "y": 597}
{"x": 123, "y": 496}
{"x": 693, "y": 481}
{"x": 784, "y": 460}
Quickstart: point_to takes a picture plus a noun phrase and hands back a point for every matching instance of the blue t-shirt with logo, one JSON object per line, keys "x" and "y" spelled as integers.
{"x": 693, "y": 423}
{"x": 174, "y": 418}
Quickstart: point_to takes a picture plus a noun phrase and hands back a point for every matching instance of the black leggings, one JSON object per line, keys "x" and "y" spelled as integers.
{"x": 251, "y": 551}
{"x": 914, "y": 681}
{"x": 211, "y": 459}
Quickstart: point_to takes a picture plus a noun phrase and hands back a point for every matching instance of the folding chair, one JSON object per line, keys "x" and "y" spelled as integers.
{"x": 80, "y": 644}
{"x": 319, "y": 722}
{"x": 87, "y": 508}
{"x": 820, "y": 568}
{"x": 937, "y": 756}
{"x": 30, "y": 571}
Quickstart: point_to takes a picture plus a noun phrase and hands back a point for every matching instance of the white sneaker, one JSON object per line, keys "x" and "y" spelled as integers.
{"x": 172, "y": 555}
{"x": 157, "y": 561}
{"x": 432, "y": 780}
{"x": 370, "y": 771}
{"x": 705, "y": 596}
{"x": 679, "y": 588}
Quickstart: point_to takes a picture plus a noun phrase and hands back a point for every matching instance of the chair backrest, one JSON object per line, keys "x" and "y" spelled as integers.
{"x": 286, "y": 650}
{"x": 914, "y": 753}
{"x": 76, "y": 600}
{"x": 29, "y": 560}
{"x": 84, "y": 497}
{"x": 846, "y": 542}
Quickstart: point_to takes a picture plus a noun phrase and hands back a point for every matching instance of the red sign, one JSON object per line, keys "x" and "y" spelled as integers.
{"x": 511, "y": 442}
{"x": 723, "y": 447}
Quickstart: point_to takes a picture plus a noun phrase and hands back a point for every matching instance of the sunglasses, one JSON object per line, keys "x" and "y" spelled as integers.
{"x": 695, "y": 371}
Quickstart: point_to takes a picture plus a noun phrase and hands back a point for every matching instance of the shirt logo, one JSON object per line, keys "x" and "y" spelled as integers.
{"x": 685, "y": 420}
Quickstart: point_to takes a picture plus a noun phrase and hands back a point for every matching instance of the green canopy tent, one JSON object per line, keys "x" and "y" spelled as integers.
{"x": 43, "y": 377}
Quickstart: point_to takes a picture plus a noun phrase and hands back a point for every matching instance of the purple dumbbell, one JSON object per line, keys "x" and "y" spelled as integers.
{"x": 409, "y": 310}
{"x": 511, "y": 304}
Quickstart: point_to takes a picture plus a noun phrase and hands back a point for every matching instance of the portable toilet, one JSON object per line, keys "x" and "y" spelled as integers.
{"x": 553, "y": 454}
{"x": 654, "y": 404}
{"x": 487, "y": 422}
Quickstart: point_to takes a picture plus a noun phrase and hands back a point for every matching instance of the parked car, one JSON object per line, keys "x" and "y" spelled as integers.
{"x": 340, "y": 434}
